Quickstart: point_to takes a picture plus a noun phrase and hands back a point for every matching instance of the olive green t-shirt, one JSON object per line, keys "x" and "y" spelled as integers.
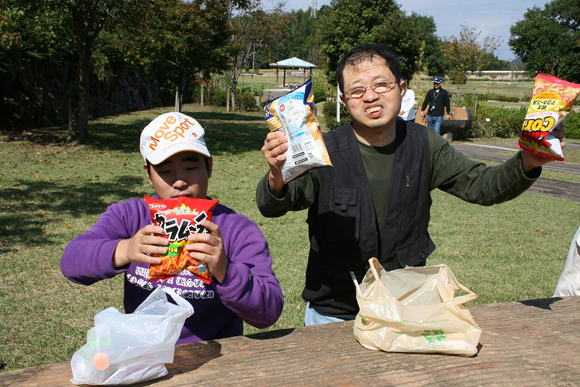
{"x": 378, "y": 164}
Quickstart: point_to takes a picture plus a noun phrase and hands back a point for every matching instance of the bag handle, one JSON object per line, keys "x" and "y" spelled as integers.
{"x": 470, "y": 296}
{"x": 373, "y": 263}
{"x": 375, "y": 266}
{"x": 356, "y": 285}
{"x": 180, "y": 301}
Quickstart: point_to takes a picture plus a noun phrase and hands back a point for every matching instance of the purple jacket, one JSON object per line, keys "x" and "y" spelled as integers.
{"x": 250, "y": 290}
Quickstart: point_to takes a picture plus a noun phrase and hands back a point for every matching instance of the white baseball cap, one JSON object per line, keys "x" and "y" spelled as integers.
{"x": 171, "y": 133}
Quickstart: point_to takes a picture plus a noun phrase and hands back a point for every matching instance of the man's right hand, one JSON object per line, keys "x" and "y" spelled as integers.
{"x": 274, "y": 151}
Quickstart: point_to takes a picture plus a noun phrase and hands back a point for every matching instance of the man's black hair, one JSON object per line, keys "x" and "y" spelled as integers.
{"x": 365, "y": 52}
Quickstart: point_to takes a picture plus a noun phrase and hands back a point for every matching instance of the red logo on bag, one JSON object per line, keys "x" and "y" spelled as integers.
{"x": 155, "y": 206}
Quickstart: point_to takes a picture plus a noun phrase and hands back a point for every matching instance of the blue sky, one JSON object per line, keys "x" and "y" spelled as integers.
{"x": 492, "y": 17}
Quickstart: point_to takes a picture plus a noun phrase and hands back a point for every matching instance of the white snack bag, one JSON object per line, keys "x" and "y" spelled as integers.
{"x": 292, "y": 113}
{"x": 134, "y": 347}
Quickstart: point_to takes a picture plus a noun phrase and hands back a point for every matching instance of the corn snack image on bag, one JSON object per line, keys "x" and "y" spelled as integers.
{"x": 292, "y": 113}
{"x": 179, "y": 217}
{"x": 551, "y": 101}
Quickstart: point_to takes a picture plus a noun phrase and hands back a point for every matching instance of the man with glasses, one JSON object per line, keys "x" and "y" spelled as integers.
{"x": 375, "y": 200}
{"x": 438, "y": 101}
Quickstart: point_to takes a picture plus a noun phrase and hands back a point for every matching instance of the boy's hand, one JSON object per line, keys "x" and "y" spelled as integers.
{"x": 274, "y": 150}
{"x": 209, "y": 249}
{"x": 137, "y": 248}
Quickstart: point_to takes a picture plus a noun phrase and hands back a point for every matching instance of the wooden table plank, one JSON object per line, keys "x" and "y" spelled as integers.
{"x": 533, "y": 342}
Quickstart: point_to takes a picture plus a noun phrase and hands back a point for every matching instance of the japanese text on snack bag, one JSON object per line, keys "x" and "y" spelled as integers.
{"x": 178, "y": 231}
{"x": 179, "y": 217}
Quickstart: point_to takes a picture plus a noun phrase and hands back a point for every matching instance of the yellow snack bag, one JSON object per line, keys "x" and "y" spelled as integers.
{"x": 292, "y": 113}
{"x": 552, "y": 100}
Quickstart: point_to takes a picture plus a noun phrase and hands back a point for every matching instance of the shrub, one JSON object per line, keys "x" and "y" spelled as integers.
{"x": 498, "y": 122}
{"x": 319, "y": 92}
{"x": 329, "y": 113}
{"x": 498, "y": 97}
{"x": 196, "y": 94}
{"x": 218, "y": 97}
{"x": 572, "y": 124}
{"x": 246, "y": 100}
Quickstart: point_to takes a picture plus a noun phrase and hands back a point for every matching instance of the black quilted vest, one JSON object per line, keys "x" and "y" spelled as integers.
{"x": 342, "y": 223}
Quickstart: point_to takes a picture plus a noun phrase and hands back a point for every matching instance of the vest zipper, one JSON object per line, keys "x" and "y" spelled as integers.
{"x": 407, "y": 187}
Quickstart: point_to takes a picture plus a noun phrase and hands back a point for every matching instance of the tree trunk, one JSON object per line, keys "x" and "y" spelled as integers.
{"x": 234, "y": 96}
{"x": 72, "y": 134}
{"x": 84, "y": 89}
{"x": 177, "y": 99}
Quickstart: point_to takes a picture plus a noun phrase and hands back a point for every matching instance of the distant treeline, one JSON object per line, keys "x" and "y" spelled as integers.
{"x": 61, "y": 58}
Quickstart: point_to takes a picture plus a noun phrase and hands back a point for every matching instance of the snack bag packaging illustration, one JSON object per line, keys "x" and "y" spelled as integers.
{"x": 293, "y": 114}
{"x": 179, "y": 217}
{"x": 551, "y": 101}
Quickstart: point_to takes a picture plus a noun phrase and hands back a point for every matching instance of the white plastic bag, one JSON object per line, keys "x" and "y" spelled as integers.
{"x": 414, "y": 310}
{"x": 134, "y": 347}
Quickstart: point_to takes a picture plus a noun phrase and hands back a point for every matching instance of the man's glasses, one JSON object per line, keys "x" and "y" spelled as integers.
{"x": 379, "y": 88}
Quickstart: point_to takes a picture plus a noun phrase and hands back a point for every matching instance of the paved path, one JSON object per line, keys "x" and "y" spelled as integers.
{"x": 544, "y": 186}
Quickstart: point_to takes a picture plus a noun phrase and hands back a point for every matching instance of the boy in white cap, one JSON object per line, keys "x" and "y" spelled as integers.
{"x": 243, "y": 286}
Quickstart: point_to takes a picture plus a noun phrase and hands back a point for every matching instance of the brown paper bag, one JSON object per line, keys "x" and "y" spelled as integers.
{"x": 414, "y": 310}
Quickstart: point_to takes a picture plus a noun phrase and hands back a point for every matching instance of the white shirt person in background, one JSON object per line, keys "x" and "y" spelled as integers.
{"x": 569, "y": 283}
{"x": 408, "y": 104}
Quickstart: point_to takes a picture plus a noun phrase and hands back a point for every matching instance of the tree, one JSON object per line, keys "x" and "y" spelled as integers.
{"x": 494, "y": 63}
{"x": 297, "y": 38}
{"x": 548, "y": 40}
{"x": 251, "y": 28}
{"x": 466, "y": 53}
{"x": 32, "y": 36}
{"x": 352, "y": 22}
{"x": 432, "y": 60}
{"x": 87, "y": 18}
{"x": 30, "y": 31}
{"x": 182, "y": 40}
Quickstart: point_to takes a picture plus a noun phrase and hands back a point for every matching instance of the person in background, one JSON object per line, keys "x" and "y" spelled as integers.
{"x": 437, "y": 99}
{"x": 375, "y": 201}
{"x": 569, "y": 282}
{"x": 408, "y": 104}
{"x": 243, "y": 286}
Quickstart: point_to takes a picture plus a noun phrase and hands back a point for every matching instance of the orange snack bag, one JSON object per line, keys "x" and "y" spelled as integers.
{"x": 551, "y": 101}
{"x": 179, "y": 217}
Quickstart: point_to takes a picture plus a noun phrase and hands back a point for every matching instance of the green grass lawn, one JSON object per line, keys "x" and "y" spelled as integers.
{"x": 52, "y": 191}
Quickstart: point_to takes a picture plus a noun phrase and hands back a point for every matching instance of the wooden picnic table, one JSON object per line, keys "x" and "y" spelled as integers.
{"x": 535, "y": 342}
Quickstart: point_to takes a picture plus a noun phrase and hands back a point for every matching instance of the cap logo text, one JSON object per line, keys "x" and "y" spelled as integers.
{"x": 171, "y": 132}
